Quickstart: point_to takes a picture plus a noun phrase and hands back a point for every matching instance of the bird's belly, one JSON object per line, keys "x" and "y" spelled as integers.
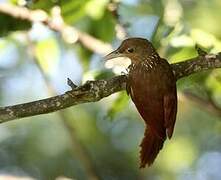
{"x": 147, "y": 90}
{"x": 146, "y": 86}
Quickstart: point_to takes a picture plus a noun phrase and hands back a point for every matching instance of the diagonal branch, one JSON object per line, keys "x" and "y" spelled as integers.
{"x": 197, "y": 64}
{"x": 56, "y": 23}
{"x": 93, "y": 91}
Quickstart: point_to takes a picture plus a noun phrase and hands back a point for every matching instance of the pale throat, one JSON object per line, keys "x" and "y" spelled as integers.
{"x": 119, "y": 64}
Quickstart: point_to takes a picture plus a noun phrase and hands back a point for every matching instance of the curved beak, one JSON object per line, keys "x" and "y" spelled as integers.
{"x": 118, "y": 60}
{"x": 114, "y": 54}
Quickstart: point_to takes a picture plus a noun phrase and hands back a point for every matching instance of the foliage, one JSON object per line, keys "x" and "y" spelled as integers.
{"x": 35, "y": 59}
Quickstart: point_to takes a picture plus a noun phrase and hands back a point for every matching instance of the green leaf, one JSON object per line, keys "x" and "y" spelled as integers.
{"x": 47, "y": 53}
{"x": 181, "y": 53}
{"x": 84, "y": 56}
{"x": 9, "y": 24}
{"x": 118, "y": 105}
{"x": 43, "y": 5}
{"x": 73, "y": 11}
{"x": 194, "y": 82}
{"x": 104, "y": 28}
{"x": 213, "y": 82}
{"x": 100, "y": 7}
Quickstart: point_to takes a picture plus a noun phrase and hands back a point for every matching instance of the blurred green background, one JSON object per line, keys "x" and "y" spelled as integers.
{"x": 101, "y": 140}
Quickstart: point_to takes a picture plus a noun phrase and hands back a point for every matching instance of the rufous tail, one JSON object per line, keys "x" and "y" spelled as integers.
{"x": 150, "y": 147}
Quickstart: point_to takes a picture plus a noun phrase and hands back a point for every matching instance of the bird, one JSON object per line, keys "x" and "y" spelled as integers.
{"x": 151, "y": 84}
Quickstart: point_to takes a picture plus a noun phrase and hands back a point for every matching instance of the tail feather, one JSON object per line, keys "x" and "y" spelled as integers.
{"x": 150, "y": 147}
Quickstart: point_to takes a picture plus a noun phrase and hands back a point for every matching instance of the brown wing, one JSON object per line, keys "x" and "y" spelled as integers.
{"x": 153, "y": 91}
{"x": 170, "y": 100}
{"x": 170, "y": 110}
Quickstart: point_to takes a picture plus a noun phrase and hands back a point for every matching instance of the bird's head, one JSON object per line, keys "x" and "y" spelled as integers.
{"x": 136, "y": 49}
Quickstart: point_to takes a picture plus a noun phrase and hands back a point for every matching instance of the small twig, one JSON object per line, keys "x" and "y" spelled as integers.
{"x": 200, "y": 51}
{"x": 71, "y": 84}
{"x": 41, "y": 16}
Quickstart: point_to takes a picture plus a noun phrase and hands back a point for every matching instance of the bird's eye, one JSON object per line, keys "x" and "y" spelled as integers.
{"x": 130, "y": 50}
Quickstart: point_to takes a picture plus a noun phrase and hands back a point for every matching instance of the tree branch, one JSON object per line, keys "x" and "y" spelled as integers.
{"x": 93, "y": 91}
{"x": 197, "y": 64}
{"x": 56, "y": 23}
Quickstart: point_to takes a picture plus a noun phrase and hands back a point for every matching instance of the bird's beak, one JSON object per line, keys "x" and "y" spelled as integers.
{"x": 117, "y": 60}
{"x": 114, "y": 54}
